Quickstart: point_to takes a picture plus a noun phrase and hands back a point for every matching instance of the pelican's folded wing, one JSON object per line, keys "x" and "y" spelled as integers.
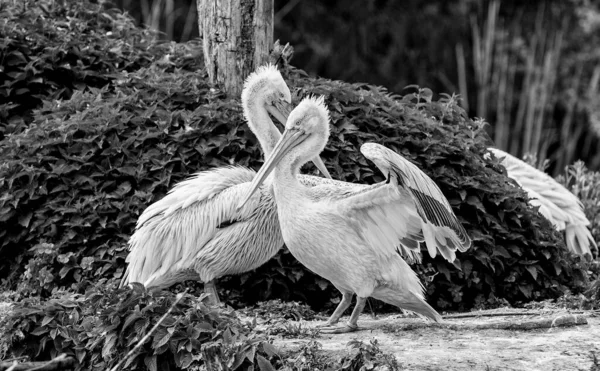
{"x": 171, "y": 231}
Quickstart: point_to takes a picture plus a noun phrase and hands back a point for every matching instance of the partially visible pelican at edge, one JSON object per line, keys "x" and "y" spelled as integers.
{"x": 196, "y": 231}
{"x": 556, "y": 203}
{"x": 353, "y": 236}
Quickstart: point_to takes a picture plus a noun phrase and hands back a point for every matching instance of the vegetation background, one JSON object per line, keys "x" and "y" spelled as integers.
{"x": 530, "y": 68}
{"x": 100, "y": 116}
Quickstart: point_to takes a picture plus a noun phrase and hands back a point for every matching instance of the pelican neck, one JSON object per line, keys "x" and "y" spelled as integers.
{"x": 261, "y": 124}
{"x": 285, "y": 180}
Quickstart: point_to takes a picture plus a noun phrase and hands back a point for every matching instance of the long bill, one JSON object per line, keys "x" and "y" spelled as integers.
{"x": 281, "y": 111}
{"x": 289, "y": 140}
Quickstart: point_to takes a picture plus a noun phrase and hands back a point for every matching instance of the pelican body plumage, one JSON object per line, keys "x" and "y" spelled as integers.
{"x": 196, "y": 231}
{"x": 556, "y": 203}
{"x": 354, "y": 236}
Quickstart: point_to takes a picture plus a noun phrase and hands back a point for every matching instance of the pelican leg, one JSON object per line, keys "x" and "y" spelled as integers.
{"x": 352, "y": 325}
{"x": 341, "y": 308}
{"x": 211, "y": 288}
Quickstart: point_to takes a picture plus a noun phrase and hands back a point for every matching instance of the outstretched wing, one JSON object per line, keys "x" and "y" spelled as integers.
{"x": 441, "y": 228}
{"x": 408, "y": 208}
{"x": 170, "y": 232}
{"x": 561, "y": 207}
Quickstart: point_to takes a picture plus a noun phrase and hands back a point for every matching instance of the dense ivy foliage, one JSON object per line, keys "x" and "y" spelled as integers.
{"x": 50, "y": 51}
{"x": 74, "y": 183}
{"x": 102, "y": 326}
{"x": 133, "y": 329}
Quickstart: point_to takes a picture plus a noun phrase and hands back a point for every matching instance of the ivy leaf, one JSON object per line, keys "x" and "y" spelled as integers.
{"x": 25, "y": 219}
{"x": 109, "y": 343}
{"x": 533, "y": 271}
{"x": 150, "y": 362}
{"x": 47, "y": 320}
{"x": 269, "y": 349}
{"x": 263, "y": 364}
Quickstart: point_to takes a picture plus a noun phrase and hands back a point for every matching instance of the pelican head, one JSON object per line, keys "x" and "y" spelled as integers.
{"x": 266, "y": 87}
{"x": 305, "y": 136}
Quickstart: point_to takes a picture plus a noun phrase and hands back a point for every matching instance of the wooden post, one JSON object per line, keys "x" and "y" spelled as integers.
{"x": 236, "y": 35}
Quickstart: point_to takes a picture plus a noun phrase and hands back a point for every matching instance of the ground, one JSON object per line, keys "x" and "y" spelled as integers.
{"x": 566, "y": 340}
{"x": 501, "y": 339}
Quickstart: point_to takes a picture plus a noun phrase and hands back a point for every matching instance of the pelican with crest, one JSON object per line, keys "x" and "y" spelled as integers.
{"x": 196, "y": 231}
{"x": 354, "y": 236}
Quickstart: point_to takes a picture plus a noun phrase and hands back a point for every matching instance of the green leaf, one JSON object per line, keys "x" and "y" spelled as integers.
{"x": 150, "y": 362}
{"x": 160, "y": 341}
{"x": 526, "y": 290}
{"x": 24, "y": 220}
{"x": 39, "y": 331}
{"x": 501, "y": 251}
{"x": 533, "y": 271}
{"x": 130, "y": 319}
{"x": 47, "y": 320}
{"x": 269, "y": 349}
{"x": 108, "y": 348}
{"x": 186, "y": 360}
{"x": 264, "y": 364}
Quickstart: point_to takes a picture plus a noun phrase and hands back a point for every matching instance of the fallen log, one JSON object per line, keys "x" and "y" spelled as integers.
{"x": 532, "y": 322}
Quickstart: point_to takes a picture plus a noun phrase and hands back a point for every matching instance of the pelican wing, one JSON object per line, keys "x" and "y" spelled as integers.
{"x": 170, "y": 232}
{"x": 404, "y": 210}
{"x": 441, "y": 228}
{"x": 408, "y": 241}
{"x": 383, "y": 215}
{"x": 556, "y": 203}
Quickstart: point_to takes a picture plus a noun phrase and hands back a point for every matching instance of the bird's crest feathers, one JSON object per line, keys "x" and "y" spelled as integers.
{"x": 263, "y": 72}
{"x": 312, "y": 102}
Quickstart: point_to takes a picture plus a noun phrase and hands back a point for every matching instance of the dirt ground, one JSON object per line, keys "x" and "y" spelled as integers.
{"x": 565, "y": 340}
{"x": 506, "y": 339}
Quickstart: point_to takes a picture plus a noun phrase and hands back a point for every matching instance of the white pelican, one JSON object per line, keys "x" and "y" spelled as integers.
{"x": 350, "y": 236}
{"x": 195, "y": 232}
{"x": 561, "y": 207}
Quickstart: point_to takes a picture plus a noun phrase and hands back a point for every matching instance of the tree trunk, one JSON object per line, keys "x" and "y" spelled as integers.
{"x": 236, "y": 35}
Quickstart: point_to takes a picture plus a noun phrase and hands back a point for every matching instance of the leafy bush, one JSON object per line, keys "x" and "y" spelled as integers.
{"x": 362, "y": 356}
{"x": 51, "y": 49}
{"x": 585, "y": 184}
{"x": 281, "y": 311}
{"x": 76, "y": 180}
{"x": 102, "y": 326}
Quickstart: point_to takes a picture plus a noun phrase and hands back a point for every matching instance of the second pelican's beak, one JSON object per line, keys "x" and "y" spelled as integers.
{"x": 281, "y": 110}
{"x": 321, "y": 166}
{"x": 289, "y": 140}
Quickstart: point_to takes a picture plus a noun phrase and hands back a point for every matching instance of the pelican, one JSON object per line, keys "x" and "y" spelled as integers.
{"x": 352, "y": 236}
{"x": 195, "y": 232}
{"x": 561, "y": 207}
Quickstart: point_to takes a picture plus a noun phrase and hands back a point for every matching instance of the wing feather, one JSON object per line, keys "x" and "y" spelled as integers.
{"x": 384, "y": 219}
{"x": 171, "y": 231}
{"x": 441, "y": 229}
{"x": 556, "y": 203}
{"x": 394, "y": 216}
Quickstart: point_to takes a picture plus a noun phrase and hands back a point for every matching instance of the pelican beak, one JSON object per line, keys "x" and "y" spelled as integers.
{"x": 321, "y": 166}
{"x": 281, "y": 110}
{"x": 289, "y": 140}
